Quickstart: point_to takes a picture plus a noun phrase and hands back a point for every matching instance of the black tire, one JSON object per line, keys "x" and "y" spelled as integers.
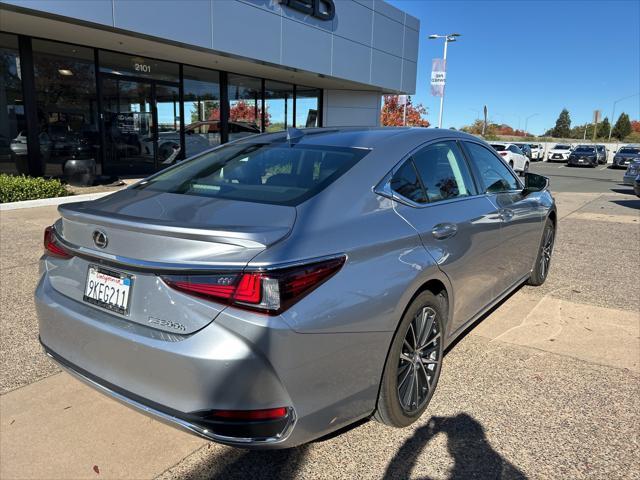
{"x": 545, "y": 251}
{"x": 401, "y": 374}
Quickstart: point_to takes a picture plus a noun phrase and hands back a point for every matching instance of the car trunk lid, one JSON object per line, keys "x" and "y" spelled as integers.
{"x": 151, "y": 233}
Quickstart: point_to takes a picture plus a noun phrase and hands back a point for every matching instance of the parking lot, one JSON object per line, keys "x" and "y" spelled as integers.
{"x": 545, "y": 386}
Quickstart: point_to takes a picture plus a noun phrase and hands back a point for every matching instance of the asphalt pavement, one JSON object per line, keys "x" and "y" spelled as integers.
{"x": 545, "y": 386}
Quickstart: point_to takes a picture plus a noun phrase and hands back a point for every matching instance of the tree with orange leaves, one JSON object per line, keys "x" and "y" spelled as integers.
{"x": 392, "y": 113}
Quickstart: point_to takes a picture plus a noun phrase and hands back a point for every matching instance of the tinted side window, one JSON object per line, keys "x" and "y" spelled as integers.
{"x": 495, "y": 175}
{"x": 444, "y": 172}
{"x": 405, "y": 182}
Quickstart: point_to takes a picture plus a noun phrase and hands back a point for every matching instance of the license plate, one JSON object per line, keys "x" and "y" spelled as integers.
{"x": 581, "y": 160}
{"x": 108, "y": 289}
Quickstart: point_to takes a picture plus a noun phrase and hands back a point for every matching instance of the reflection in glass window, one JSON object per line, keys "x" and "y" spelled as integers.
{"x": 245, "y": 106}
{"x": 201, "y": 109}
{"x": 65, "y": 81}
{"x": 307, "y": 107}
{"x": 169, "y": 124}
{"x": 405, "y": 182}
{"x": 278, "y": 106}
{"x": 443, "y": 172}
{"x": 13, "y": 128}
{"x": 495, "y": 175}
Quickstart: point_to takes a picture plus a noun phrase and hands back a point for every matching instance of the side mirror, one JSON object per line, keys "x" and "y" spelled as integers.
{"x": 534, "y": 183}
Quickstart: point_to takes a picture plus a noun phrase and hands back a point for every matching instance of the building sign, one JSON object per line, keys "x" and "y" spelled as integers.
{"x": 438, "y": 77}
{"x": 322, "y": 9}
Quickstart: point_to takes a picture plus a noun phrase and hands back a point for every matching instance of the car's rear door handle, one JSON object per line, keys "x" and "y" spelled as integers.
{"x": 444, "y": 230}
{"x": 506, "y": 214}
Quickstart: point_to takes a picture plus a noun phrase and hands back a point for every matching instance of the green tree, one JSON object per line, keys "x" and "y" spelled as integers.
{"x": 603, "y": 128}
{"x": 622, "y": 127}
{"x": 563, "y": 125}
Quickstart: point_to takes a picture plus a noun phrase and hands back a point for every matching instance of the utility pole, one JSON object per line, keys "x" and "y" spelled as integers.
{"x": 613, "y": 112}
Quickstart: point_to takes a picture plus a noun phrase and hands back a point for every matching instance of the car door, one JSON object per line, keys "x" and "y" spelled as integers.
{"x": 438, "y": 196}
{"x": 521, "y": 214}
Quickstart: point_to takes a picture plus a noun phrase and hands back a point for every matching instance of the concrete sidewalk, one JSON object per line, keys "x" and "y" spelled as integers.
{"x": 546, "y": 386}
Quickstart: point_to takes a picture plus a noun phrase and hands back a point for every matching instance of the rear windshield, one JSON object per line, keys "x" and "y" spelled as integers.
{"x": 584, "y": 150}
{"x": 275, "y": 173}
{"x": 635, "y": 151}
{"x": 499, "y": 148}
{"x": 562, "y": 147}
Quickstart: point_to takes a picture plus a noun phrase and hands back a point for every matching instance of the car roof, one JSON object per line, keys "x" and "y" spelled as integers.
{"x": 361, "y": 137}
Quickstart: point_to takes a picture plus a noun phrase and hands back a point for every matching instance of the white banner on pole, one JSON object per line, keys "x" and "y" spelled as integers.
{"x": 438, "y": 77}
{"x": 402, "y": 99}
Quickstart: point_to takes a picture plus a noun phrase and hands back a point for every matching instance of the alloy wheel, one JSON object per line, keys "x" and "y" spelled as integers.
{"x": 419, "y": 361}
{"x": 547, "y": 250}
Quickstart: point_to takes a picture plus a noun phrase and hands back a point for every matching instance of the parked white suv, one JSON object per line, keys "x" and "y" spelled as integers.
{"x": 537, "y": 151}
{"x": 560, "y": 153}
{"x": 517, "y": 160}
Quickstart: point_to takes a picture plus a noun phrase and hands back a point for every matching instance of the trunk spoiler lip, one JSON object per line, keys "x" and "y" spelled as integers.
{"x": 149, "y": 266}
{"x": 185, "y": 268}
{"x": 242, "y": 236}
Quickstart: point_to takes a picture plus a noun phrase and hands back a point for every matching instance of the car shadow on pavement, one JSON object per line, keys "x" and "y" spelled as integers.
{"x": 251, "y": 464}
{"x": 628, "y": 190}
{"x": 635, "y": 204}
{"x": 467, "y": 443}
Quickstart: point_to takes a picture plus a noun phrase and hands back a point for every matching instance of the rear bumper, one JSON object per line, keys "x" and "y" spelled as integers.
{"x": 240, "y": 361}
{"x": 198, "y": 423}
{"x": 178, "y": 380}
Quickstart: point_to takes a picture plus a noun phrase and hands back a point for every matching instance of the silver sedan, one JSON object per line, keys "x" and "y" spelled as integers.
{"x": 276, "y": 289}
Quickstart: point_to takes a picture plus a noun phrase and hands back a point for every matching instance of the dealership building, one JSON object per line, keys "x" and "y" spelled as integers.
{"x": 126, "y": 87}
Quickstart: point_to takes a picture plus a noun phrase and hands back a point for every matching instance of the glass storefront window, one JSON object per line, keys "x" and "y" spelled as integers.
{"x": 307, "y": 107}
{"x": 278, "y": 108}
{"x": 245, "y": 106}
{"x": 201, "y": 109}
{"x": 65, "y": 81}
{"x": 136, "y": 66}
{"x": 13, "y": 127}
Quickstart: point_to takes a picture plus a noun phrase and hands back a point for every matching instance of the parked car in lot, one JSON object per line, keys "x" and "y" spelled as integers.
{"x": 625, "y": 156}
{"x": 583, "y": 156}
{"x": 525, "y": 149}
{"x": 276, "y": 289}
{"x": 559, "y": 153}
{"x": 636, "y": 186}
{"x": 633, "y": 170}
{"x": 513, "y": 156}
{"x": 602, "y": 153}
{"x": 537, "y": 151}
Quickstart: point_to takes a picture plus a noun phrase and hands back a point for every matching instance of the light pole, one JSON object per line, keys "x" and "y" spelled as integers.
{"x": 613, "y": 112}
{"x": 526, "y": 121}
{"x": 451, "y": 37}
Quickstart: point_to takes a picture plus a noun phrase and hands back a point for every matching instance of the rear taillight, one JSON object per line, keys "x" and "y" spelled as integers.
{"x": 504, "y": 154}
{"x": 271, "y": 291}
{"x": 52, "y": 246}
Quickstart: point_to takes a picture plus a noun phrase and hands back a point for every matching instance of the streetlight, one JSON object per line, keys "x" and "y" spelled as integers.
{"x": 451, "y": 37}
{"x": 613, "y": 112}
{"x": 526, "y": 121}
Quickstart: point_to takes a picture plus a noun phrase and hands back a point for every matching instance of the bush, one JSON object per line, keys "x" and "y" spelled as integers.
{"x": 18, "y": 188}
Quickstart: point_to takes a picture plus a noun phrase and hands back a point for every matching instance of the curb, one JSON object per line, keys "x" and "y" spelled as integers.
{"x": 46, "y": 202}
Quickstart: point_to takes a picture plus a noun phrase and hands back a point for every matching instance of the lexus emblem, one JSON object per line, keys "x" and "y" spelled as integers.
{"x": 100, "y": 239}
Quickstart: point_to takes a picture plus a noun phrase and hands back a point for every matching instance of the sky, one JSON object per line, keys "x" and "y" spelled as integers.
{"x": 530, "y": 58}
